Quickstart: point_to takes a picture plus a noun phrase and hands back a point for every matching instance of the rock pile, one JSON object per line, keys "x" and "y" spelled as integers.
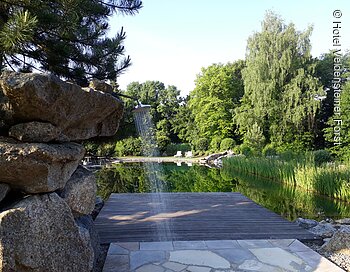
{"x": 46, "y": 198}
{"x": 336, "y": 238}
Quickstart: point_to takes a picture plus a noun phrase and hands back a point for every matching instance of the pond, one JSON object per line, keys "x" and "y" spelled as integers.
{"x": 287, "y": 201}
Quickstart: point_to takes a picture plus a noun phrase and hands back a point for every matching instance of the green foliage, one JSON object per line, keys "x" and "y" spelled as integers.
{"x": 340, "y": 147}
{"x": 163, "y": 142}
{"x": 215, "y": 144}
{"x": 165, "y": 103}
{"x": 254, "y": 137}
{"x": 269, "y": 150}
{"x": 322, "y": 156}
{"x": 218, "y": 91}
{"x": 91, "y": 147}
{"x": 172, "y": 148}
{"x": 279, "y": 84}
{"x": 201, "y": 144}
{"x": 99, "y": 148}
{"x": 66, "y": 38}
{"x": 227, "y": 144}
{"x": 245, "y": 150}
{"x": 18, "y": 31}
{"x": 128, "y": 147}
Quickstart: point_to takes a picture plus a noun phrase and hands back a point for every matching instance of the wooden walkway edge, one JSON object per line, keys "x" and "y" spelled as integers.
{"x": 191, "y": 216}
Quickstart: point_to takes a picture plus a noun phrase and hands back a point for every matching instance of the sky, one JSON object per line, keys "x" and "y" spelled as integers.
{"x": 171, "y": 40}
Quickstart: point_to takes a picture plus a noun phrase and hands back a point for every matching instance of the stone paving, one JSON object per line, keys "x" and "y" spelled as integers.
{"x": 215, "y": 256}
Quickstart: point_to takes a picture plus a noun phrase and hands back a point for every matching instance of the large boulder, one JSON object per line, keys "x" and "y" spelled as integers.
{"x": 80, "y": 192}
{"x": 37, "y": 167}
{"x": 324, "y": 230}
{"x": 36, "y": 132}
{"x": 86, "y": 225}
{"x": 78, "y": 113}
{"x": 4, "y": 189}
{"x": 340, "y": 241}
{"x": 40, "y": 234}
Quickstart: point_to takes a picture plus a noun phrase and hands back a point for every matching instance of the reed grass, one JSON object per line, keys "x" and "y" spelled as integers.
{"x": 332, "y": 180}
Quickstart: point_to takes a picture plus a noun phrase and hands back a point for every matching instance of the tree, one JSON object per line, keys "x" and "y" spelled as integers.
{"x": 164, "y": 102}
{"x": 64, "y": 37}
{"x": 218, "y": 90}
{"x": 279, "y": 83}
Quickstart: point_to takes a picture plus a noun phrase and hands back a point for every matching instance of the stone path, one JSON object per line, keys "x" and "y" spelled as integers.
{"x": 215, "y": 256}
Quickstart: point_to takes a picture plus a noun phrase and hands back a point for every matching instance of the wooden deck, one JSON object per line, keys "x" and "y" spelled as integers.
{"x": 191, "y": 216}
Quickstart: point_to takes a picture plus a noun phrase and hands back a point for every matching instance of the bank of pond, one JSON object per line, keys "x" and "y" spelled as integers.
{"x": 290, "y": 189}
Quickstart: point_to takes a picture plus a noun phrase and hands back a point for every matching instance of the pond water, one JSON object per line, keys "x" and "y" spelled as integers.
{"x": 287, "y": 201}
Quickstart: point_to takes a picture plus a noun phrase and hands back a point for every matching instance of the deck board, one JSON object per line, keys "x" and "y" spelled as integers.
{"x": 191, "y": 216}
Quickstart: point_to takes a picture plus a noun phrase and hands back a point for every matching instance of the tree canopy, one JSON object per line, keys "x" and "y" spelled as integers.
{"x": 67, "y": 38}
{"x": 218, "y": 90}
{"x": 279, "y": 84}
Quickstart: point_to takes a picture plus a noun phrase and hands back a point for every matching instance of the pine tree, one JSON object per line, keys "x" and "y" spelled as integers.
{"x": 64, "y": 37}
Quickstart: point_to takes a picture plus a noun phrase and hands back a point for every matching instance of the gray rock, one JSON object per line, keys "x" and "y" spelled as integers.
{"x": 343, "y": 221}
{"x": 79, "y": 114}
{"x": 324, "y": 230}
{"x": 339, "y": 243}
{"x": 40, "y": 234}
{"x": 4, "y": 189}
{"x": 36, "y": 132}
{"x": 98, "y": 206}
{"x": 306, "y": 223}
{"x": 86, "y": 225}
{"x": 37, "y": 167}
{"x": 80, "y": 192}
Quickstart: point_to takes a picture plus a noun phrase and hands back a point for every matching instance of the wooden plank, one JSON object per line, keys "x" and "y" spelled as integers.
{"x": 191, "y": 216}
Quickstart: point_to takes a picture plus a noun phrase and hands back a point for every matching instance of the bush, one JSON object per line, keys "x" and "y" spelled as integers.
{"x": 246, "y": 150}
{"x": 269, "y": 150}
{"x": 128, "y": 147}
{"x": 90, "y": 147}
{"x": 103, "y": 149}
{"x": 289, "y": 155}
{"x": 172, "y": 148}
{"x": 322, "y": 156}
{"x": 215, "y": 144}
{"x": 163, "y": 142}
{"x": 227, "y": 144}
{"x": 201, "y": 144}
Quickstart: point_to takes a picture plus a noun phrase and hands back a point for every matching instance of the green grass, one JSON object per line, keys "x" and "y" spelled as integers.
{"x": 332, "y": 180}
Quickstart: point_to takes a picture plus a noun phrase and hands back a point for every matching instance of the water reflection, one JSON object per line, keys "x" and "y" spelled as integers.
{"x": 287, "y": 201}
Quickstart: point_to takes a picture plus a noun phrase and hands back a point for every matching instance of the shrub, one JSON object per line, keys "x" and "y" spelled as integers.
{"x": 215, "y": 144}
{"x": 288, "y": 155}
{"x": 90, "y": 147}
{"x": 105, "y": 149}
{"x": 322, "y": 156}
{"x": 227, "y": 144}
{"x": 99, "y": 148}
{"x": 269, "y": 150}
{"x": 163, "y": 142}
{"x": 245, "y": 150}
{"x": 201, "y": 144}
{"x": 128, "y": 147}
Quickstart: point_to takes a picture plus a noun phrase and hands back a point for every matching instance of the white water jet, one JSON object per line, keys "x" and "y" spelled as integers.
{"x": 146, "y": 130}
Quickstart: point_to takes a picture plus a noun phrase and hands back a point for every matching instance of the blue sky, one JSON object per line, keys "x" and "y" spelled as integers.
{"x": 170, "y": 40}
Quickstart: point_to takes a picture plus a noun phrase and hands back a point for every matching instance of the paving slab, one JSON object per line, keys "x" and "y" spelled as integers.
{"x": 277, "y": 255}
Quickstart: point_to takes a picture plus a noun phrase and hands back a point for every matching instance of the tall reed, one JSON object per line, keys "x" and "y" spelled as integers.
{"x": 331, "y": 180}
